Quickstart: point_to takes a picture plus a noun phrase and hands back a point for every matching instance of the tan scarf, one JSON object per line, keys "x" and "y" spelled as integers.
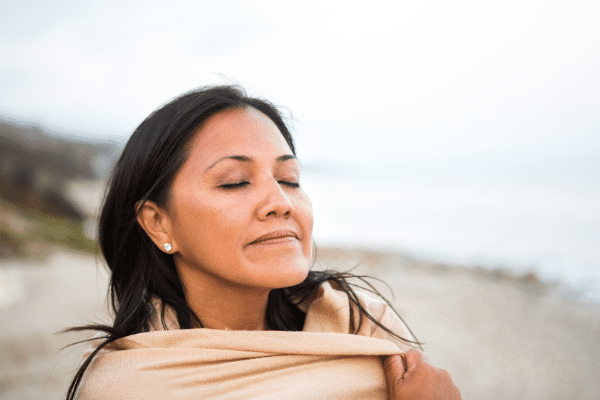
{"x": 324, "y": 361}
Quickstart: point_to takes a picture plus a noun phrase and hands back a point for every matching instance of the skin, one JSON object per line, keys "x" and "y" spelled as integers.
{"x": 219, "y": 206}
{"x": 239, "y": 183}
{"x": 410, "y": 376}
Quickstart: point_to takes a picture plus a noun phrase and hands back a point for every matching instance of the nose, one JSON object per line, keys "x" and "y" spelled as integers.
{"x": 275, "y": 202}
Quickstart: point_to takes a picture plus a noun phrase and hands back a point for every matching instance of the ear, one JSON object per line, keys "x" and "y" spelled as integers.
{"x": 155, "y": 221}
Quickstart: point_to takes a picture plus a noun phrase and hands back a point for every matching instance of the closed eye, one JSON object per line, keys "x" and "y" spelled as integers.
{"x": 290, "y": 184}
{"x": 235, "y": 185}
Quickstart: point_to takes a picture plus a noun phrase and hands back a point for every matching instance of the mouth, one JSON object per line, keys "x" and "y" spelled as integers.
{"x": 276, "y": 237}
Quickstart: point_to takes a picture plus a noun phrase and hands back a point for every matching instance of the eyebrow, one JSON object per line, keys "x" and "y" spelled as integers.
{"x": 247, "y": 159}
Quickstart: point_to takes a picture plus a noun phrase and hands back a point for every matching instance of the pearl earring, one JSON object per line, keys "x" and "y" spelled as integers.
{"x": 167, "y": 247}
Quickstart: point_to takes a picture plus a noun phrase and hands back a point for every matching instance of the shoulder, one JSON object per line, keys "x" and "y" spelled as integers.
{"x": 328, "y": 310}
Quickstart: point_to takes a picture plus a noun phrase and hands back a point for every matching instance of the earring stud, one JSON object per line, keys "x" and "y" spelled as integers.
{"x": 167, "y": 247}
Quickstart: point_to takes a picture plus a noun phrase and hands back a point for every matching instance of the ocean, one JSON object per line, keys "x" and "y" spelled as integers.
{"x": 542, "y": 218}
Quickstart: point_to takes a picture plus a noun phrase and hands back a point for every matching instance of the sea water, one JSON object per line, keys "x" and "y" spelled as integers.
{"x": 545, "y": 221}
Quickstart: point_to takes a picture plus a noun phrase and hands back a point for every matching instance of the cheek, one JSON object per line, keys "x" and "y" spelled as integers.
{"x": 305, "y": 217}
{"x": 207, "y": 227}
{"x": 308, "y": 207}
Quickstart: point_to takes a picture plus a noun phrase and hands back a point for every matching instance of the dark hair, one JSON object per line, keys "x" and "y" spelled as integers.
{"x": 139, "y": 270}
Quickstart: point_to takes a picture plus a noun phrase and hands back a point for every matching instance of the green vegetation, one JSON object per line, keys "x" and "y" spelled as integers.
{"x": 29, "y": 233}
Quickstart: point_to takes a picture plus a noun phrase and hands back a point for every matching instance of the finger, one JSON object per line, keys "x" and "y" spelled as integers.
{"x": 404, "y": 363}
{"x": 394, "y": 369}
{"x": 413, "y": 358}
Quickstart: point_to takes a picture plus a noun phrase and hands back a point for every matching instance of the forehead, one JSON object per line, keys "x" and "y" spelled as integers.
{"x": 244, "y": 131}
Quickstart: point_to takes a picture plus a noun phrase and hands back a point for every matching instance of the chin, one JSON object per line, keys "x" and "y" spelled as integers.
{"x": 293, "y": 274}
{"x": 296, "y": 279}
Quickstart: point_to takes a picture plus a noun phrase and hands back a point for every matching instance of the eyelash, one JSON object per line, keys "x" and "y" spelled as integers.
{"x": 230, "y": 186}
{"x": 234, "y": 185}
{"x": 290, "y": 184}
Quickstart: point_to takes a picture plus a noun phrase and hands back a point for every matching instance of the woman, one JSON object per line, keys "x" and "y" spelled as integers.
{"x": 205, "y": 225}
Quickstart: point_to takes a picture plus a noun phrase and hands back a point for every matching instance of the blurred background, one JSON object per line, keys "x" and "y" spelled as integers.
{"x": 462, "y": 134}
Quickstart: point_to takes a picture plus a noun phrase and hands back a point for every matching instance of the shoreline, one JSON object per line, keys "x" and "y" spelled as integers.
{"x": 529, "y": 281}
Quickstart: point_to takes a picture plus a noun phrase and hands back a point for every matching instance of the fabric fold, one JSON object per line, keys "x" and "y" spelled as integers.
{"x": 324, "y": 361}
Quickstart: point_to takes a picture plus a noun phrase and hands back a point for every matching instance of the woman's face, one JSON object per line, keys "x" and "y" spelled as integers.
{"x": 237, "y": 212}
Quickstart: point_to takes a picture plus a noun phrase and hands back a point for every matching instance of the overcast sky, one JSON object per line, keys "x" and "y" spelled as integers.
{"x": 414, "y": 81}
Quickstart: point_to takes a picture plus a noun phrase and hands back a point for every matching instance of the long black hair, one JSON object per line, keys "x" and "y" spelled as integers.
{"x": 139, "y": 270}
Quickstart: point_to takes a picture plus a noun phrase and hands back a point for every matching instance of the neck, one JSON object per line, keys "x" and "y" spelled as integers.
{"x": 221, "y": 305}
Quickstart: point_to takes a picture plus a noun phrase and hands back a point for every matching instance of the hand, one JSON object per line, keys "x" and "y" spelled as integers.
{"x": 409, "y": 376}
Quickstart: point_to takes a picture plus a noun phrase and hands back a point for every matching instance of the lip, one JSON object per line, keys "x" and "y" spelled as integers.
{"x": 275, "y": 237}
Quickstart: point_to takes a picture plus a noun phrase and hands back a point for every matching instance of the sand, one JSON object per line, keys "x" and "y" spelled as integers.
{"x": 500, "y": 337}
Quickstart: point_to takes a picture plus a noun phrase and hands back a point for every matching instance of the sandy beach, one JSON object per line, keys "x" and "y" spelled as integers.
{"x": 499, "y": 336}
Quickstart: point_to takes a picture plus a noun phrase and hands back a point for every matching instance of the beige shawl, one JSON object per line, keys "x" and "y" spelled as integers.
{"x": 323, "y": 361}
